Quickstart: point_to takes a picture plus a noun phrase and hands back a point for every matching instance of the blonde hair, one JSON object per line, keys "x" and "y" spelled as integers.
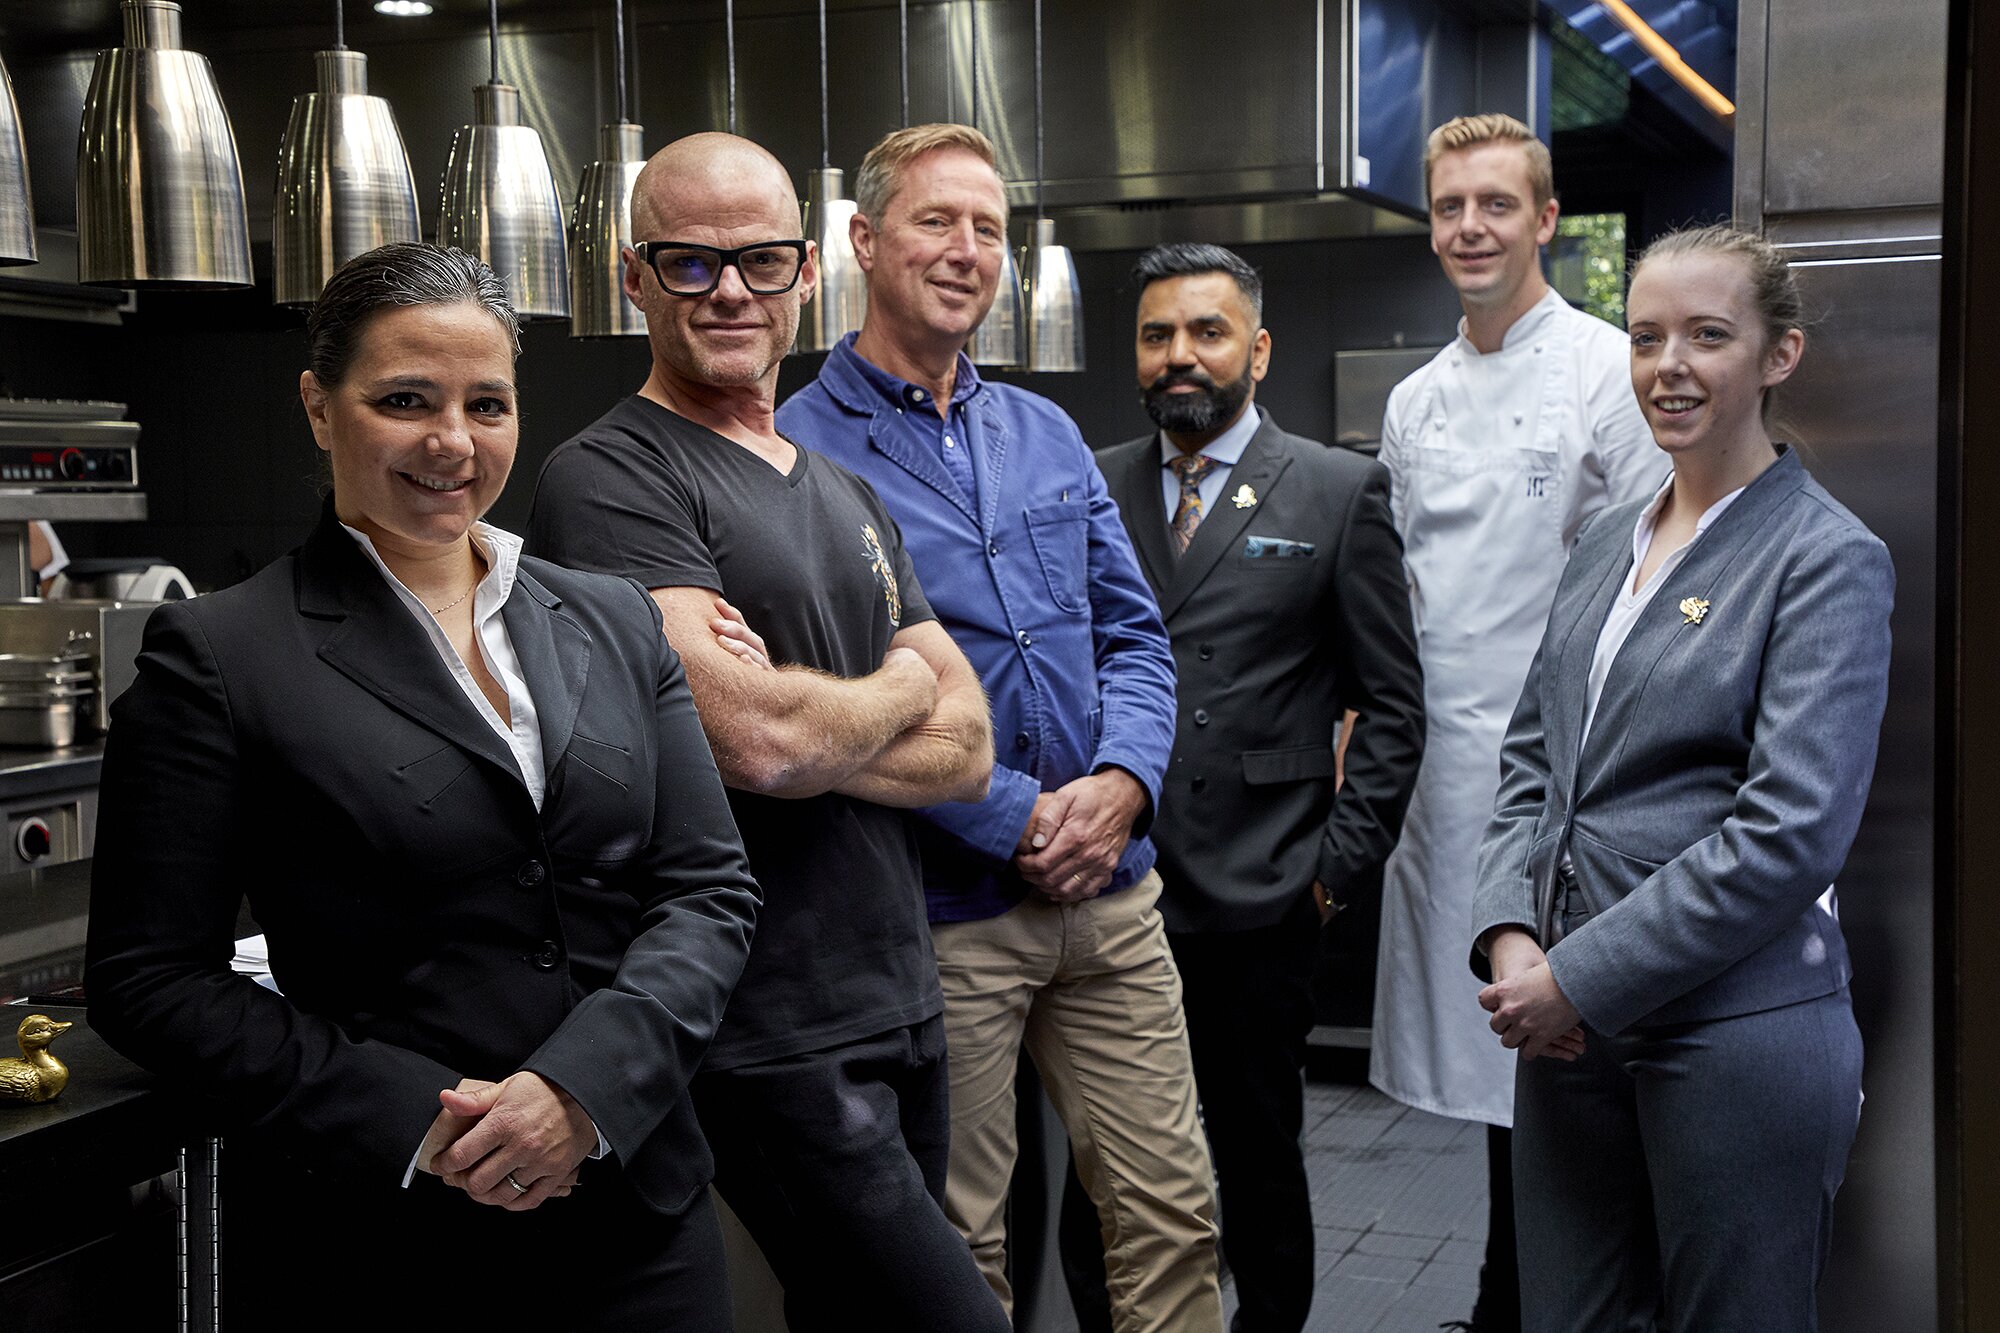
{"x": 1773, "y": 290}
{"x": 1492, "y": 127}
{"x": 881, "y": 173}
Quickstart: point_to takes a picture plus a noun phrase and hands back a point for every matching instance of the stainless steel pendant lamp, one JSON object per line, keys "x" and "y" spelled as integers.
{"x": 1000, "y": 339}
{"x": 500, "y": 201}
{"x": 17, "y": 207}
{"x": 344, "y": 182}
{"x": 601, "y": 228}
{"x": 837, "y": 306}
{"x": 1055, "y": 300}
{"x": 159, "y": 187}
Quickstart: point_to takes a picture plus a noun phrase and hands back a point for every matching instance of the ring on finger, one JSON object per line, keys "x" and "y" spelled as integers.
{"x": 519, "y": 1188}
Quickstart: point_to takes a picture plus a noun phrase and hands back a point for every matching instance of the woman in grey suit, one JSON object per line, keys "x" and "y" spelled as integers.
{"x": 1680, "y": 784}
{"x": 467, "y": 797}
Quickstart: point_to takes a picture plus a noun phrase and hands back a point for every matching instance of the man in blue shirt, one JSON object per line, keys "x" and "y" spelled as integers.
{"x": 1042, "y": 896}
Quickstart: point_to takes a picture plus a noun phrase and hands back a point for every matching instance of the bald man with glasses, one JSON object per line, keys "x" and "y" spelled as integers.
{"x": 833, "y": 702}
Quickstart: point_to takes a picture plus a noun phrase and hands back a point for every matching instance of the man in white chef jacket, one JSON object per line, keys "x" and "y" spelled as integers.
{"x": 1497, "y": 450}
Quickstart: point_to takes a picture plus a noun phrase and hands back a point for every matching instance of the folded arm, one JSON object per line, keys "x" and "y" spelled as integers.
{"x": 793, "y": 731}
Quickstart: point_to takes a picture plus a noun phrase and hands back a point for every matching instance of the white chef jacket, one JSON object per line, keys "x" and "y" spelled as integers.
{"x": 1495, "y": 461}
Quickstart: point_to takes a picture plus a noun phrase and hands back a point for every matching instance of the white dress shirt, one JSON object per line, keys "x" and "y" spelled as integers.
{"x": 1226, "y": 449}
{"x": 522, "y": 729}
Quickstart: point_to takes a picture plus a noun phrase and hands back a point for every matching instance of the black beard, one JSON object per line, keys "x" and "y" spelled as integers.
{"x": 1211, "y": 407}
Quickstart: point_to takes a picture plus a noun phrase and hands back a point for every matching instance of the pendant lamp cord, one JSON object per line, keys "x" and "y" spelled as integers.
{"x": 825, "y": 125}
{"x": 618, "y": 55}
{"x": 975, "y": 63}
{"x": 339, "y": 25}
{"x": 493, "y": 40}
{"x": 729, "y": 53}
{"x": 903, "y": 50}
{"x": 1038, "y": 110}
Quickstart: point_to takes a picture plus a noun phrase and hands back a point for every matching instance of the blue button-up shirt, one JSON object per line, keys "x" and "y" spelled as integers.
{"x": 1033, "y": 575}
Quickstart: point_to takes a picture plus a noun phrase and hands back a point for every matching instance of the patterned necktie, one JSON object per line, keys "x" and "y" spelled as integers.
{"x": 1190, "y": 468}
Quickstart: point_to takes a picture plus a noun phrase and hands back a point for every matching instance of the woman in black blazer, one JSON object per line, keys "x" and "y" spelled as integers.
{"x": 469, "y": 802}
{"x": 1680, "y": 786}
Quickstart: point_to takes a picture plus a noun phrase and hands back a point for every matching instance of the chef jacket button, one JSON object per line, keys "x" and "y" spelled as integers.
{"x": 1204, "y": 652}
{"x": 1199, "y": 784}
{"x": 530, "y": 874}
{"x": 1025, "y": 638}
{"x": 1020, "y": 740}
{"x": 547, "y": 957}
{"x": 1201, "y": 717}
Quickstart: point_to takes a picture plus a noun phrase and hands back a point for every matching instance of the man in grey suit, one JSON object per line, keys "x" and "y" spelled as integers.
{"x": 1280, "y": 578}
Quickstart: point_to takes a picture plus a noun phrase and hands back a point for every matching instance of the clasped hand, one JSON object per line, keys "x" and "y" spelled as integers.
{"x": 523, "y": 1126}
{"x": 1077, "y": 833}
{"x": 1530, "y": 1012}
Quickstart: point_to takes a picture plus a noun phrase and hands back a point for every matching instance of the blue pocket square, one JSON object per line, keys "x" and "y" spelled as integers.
{"x": 1276, "y": 548}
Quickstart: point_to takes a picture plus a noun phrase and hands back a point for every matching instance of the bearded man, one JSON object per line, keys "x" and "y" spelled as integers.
{"x": 1280, "y": 578}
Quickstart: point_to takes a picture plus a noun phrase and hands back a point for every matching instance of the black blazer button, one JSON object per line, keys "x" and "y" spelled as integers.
{"x": 1204, "y": 652}
{"x": 1199, "y": 784}
{"x": 530, "y": 874}
{"x": 547, "y": 957}
{"x": 1201, "y": 717}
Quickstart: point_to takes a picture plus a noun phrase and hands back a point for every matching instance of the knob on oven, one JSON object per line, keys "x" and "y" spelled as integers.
{"x": 32, "y": 839}
{"x": 70, "y": 462}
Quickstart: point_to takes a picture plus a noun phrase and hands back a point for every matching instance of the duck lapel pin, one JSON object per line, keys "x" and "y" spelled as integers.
{"x": 1693, "y": 609}
{"x": 1244, "y": 497}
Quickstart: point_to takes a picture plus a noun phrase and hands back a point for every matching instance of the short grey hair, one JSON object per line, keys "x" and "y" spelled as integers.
{"x": 881, "y": 173}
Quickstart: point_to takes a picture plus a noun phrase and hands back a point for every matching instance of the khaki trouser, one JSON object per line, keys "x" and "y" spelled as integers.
{"x": 1092, "y": 988}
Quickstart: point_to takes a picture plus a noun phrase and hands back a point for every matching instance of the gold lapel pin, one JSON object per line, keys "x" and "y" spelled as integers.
{"x": 1244, "y": 497}
{"x": 1693, "y": 608}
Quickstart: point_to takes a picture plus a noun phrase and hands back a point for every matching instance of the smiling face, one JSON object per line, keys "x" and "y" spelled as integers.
{"x": 711, "y": 190}
{"x": 1701, "y": 359}
{"x": 1201, "y": 353}
{"x": 421, "y": 430}
{"x": 933, "y": 263}
{"x": 1486, "y": 228}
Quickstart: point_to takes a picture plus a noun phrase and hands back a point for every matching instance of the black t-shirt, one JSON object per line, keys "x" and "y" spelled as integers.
{"x": 817, "y": 567}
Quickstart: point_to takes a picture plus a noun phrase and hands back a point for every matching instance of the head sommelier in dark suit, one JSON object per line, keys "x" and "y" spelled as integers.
{"x": 1280, "y": 578}
{"x": 469, "y": 800}
{"x": 1680, "y": 784}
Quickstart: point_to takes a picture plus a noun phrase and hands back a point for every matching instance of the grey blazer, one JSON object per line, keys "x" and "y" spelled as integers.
{"x": 1718, "y": 792}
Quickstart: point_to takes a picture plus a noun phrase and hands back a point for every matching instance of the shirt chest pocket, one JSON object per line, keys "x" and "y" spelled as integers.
{"x": 1061, "y": 538}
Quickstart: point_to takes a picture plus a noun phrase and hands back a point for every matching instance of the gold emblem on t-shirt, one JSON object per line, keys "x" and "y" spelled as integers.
{"x": 885, "y": 573}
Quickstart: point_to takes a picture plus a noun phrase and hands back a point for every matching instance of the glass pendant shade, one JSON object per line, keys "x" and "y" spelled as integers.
{"x": 344, "y": 182}
{"x": 997, "y": 340}
{"x": 1055, "y": 303}
{"x": 500, "y": 203}
{"x": 17, "y": 209}
{"x": 159, "y": 188}
{"x": 600, "y": 231}
{"x": 841, "y": 300}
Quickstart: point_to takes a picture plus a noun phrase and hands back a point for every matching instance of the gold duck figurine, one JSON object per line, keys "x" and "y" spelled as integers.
{"x": 37, "y": 1076}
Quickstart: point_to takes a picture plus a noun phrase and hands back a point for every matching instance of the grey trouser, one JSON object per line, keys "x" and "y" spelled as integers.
{"x": 1683, "y": 1176}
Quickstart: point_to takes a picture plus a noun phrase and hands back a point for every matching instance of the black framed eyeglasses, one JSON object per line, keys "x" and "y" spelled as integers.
{"x": 768, "y": 268}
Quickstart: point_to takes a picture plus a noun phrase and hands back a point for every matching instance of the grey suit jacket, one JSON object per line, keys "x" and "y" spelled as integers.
{"x": 1285, "y": 609}
{"x": 1718, "y": 791}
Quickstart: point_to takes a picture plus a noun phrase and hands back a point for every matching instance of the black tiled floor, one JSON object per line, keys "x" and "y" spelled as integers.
{"x": 1399, "y": 1203}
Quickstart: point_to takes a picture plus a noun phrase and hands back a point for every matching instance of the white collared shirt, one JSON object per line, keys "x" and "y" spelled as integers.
{"x": 1632, "y": 598}
{"x": 521, "y": 730}
{"x": 1226, "y": 449}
